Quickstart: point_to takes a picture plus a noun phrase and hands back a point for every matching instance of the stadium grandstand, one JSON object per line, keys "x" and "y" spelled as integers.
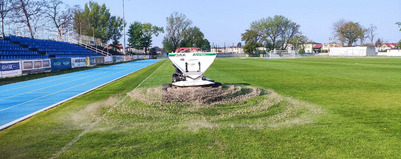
{"x": 13, "y": 48}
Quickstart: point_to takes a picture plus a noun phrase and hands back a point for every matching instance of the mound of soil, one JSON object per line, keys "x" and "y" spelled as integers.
{"x": 208, "y": 94}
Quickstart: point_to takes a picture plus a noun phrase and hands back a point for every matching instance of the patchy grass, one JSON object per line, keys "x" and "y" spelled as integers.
{"x": 311, "y": 108}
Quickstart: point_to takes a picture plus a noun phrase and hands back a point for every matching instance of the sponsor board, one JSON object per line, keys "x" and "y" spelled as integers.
{"x": 108, "y": 59}
{"x": 10, "y": 69}
{"x": 78, "y": 62}
{"x": 96, "y": 61}
{"x": 118, "y": 58}
{"x": 35, "y": 66}
{"x": 61, "y": 64}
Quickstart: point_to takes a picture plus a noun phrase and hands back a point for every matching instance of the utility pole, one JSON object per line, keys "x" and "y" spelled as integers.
{"x": 124, "y": 28}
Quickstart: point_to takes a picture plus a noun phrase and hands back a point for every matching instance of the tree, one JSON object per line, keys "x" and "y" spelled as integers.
{"x": 348, "y": 32}
{"x": 94, "y": 21}
{"x": 167, "y": 45}
{"x": 337, "y": 26}
{"x": 148, "y": 30}
{"x": 135, "y": 35}
{"x": 272, "y": 32}
{"x": 140, "y": 35}
{"x": 399, "y": 44}
{"x": 193, "y": 37}
{"x": 371, "y": 33}
{"x": 61, "y": 18}
{"x": 363, "y": 35}
{"x": 378, "y": 43}
{"x": 79, "y": 21}
{"x": 252, "y": 41}
{"x": 205, "y": 45}
{"x": 239, "y": 45}
{"x": 176, "y": 25}
{"x": 5, "y": 8}
{"x": 116, "y": 26}
{"x": 29, "y": 13}
{"x": 399, "y": 25}
{"x": 299, "y": 41}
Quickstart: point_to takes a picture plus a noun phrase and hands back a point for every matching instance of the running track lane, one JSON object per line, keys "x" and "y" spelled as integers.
{"x": 22, "y": 100}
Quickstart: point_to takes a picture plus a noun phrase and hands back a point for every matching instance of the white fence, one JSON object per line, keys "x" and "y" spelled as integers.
{"x": 352, "y": 51}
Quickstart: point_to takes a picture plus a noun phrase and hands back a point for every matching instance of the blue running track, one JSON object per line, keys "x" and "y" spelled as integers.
{"x": 22, "y": 100}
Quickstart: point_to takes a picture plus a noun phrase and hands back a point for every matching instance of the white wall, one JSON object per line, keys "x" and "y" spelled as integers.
{"x": 352, "y": 51}
{"x": 393, "y": 53}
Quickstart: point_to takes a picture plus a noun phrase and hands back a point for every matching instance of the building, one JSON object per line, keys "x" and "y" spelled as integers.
{"x": 326, "y": 47}
{"x": 388, "y": 46}
{"x": 310, "y": 47}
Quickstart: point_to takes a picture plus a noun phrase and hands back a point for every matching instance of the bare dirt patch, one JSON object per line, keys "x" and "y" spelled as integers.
{"x": 230, "y": 106}
{"x": 212, "y": 95}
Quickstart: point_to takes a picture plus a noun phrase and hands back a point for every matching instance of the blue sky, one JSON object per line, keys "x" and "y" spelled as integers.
{"x": 223, "y": 21}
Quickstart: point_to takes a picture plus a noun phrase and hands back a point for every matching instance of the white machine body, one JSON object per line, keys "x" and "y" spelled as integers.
{"x": 192, "y": 65}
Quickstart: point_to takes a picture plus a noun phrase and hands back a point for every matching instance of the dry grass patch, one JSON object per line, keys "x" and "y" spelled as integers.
{"x": 234, "y": 106}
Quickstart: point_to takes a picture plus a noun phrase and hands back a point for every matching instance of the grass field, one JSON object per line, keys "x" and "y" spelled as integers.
{"x": 314, "y": 108}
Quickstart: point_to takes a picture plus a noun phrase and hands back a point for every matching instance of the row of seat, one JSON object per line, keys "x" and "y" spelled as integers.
{"x": 4, "y": 41}
{"x": 66, "y": 49}
{"x": 13, "y": 49}
{"x": 21, "y": 57}
{"x": 54, "y": 46}
{"x": 49, "y": 48}
{"x": 8, "y": 45}
{"x": 18, "y": 53}
{"x": 70, "y": 53}
{"x": 59, "y": 56}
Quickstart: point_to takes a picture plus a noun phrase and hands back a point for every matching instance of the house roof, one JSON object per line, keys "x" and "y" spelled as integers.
{"x": 390, "y": 45}
{"x": 317, "y": 46}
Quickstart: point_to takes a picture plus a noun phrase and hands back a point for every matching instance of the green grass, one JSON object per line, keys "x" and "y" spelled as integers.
{"x": 359, "y": 101}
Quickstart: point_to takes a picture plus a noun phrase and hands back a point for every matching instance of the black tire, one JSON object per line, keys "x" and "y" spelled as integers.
{"x": 174, "y": 78}
{"x": 166, "y": 86}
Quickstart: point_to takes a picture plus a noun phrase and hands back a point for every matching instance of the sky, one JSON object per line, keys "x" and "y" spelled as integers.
{"x": 223, "y": 21}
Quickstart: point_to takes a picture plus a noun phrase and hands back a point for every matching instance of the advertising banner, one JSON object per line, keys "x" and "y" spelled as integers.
{"x": 99, "y": 60}
{"x": 46, "y": 63}
{"x": 153, "y": 56}
{"x": 118, "y": 58}
{"x": 91, "y": 61}
{"x": 78, "y": 62}
{"x": 10, "y": 69}
{"x": 108, "y": 59}
{"x": 61, "y": 64}
{"x": 147, "y": 56}
{"x": 141, "y": 57}
{"x": 35, "y": 66}
{"x": 135, "y": 57}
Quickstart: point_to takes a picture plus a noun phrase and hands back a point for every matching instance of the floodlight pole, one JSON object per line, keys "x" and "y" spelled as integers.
{"x": 124, "y": 28}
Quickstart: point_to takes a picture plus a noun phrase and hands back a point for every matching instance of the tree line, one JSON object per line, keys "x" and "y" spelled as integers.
{"x": 181, "y": 33}
{"x": 95, "y": 20}
{"x": 277, "y": 32}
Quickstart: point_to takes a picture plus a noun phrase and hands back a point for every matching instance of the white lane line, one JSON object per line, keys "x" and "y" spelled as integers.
{"x": 74, "y": 74}
{"x": 60, "y": 91}
{"x": 58, "y": 84}
{"x": 55, "y": 104}
{"x": 25, "y": 86}
{"x": 74, "y": 140}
